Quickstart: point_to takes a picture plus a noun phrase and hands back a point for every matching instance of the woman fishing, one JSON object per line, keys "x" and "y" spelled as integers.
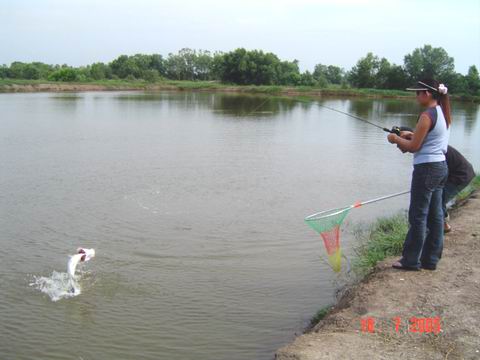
{"x": 428, "y": 142}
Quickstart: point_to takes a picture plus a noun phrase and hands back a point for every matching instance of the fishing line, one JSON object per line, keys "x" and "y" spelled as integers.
{"x": 393, "y": 130}
{"x": 248, "y": 113}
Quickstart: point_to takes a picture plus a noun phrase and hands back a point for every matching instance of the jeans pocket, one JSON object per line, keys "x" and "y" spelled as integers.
{"x": 436, "y": 175}
{"x": 430, "y": 182}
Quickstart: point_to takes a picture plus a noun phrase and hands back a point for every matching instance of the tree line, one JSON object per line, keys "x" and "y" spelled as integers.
{"x": 255, "y": 67}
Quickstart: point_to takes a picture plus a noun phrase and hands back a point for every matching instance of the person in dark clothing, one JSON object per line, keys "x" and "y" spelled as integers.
{"x": 460, "y": 174}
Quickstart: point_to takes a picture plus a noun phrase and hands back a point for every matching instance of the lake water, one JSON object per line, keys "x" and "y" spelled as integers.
{"x": 194, "y": 203}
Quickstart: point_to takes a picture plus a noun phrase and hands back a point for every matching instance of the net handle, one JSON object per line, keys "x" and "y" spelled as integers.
{"x": 356, "y": 205}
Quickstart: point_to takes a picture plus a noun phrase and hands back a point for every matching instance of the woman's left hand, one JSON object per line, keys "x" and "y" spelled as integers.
{"x": 392, "y": 138}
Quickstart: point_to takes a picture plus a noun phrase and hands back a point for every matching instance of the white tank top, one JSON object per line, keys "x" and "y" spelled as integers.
{"x": 435, "y": 144}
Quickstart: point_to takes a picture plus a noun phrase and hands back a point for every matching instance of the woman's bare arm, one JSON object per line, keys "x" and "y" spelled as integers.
{"x": 416, "y": 140}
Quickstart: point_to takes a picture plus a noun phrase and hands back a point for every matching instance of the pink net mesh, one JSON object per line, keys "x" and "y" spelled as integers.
{"x": 331, "y": 239}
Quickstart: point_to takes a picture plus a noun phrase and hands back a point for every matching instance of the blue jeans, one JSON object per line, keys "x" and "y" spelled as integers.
{"x": 424, "y": 242}
{"x": 449, "y": 192}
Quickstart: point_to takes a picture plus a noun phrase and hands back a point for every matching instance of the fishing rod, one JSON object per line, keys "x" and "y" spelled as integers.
{"x": 394, "y": 130}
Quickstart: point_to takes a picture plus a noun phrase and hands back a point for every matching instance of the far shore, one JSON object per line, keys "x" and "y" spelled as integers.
{"x": 9, "y": 86}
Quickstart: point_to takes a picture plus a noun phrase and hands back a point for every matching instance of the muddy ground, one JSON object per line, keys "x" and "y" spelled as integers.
{"x": 390, "y": 297}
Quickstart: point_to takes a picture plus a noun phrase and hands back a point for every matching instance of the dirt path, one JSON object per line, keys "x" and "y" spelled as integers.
{"x": 451, "y": 293}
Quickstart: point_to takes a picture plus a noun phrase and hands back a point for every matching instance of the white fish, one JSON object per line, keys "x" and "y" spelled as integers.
{"x": 81, "y": 256}
{"x": 62, "y": 285}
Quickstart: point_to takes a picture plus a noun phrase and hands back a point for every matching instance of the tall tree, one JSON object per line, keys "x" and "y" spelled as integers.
{"x": 397, "y": 78}
{"x": 189, "y": 64}
{"x": 428, "y": 62}
{"x": 363, "y": 74}
{"x": 99, "y": 71}
{"x": 382, "y": 73}
{"x": 125, "y": 66}
{"x": 250, "y": 67}
{"x": 288, "y": 73}
{"x": 331, "y": 73}
{"x": 4, "y": 71}
{"x": 473, "y": 80}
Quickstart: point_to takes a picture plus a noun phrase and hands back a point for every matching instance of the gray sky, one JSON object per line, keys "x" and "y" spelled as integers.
{"x": 313, "y": 31}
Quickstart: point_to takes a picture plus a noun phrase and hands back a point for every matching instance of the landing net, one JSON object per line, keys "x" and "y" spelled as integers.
{"x": 327, "y": 224}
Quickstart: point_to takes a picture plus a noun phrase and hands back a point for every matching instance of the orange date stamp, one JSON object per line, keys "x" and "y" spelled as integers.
{"x": 419, "y": 325}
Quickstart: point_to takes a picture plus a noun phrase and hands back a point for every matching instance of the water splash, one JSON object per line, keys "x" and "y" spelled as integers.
{"x": 60, "y": 285}
{"x": 63, "y": 285}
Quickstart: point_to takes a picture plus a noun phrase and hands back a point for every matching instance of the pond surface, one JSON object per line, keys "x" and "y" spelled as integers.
{"x": 194, "y": 203}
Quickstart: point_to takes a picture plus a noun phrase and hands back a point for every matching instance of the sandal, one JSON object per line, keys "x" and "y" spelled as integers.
{"x": 446, "y": 227}
{"x": 399, "y": 266}
{"x": 429, "y": 267}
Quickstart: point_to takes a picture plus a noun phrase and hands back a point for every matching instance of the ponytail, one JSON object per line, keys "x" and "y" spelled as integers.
{"x": 444, "y": 102}
{"x": 440, "y": 94}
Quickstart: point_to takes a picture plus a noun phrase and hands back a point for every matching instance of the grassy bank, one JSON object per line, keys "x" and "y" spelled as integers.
{"x": 386, "y": 236}
{"x": 12, "y": 85}
{"x": 384, "y": 239}
{"x": 319, "y": 316}
{"x": 467, "y": 192}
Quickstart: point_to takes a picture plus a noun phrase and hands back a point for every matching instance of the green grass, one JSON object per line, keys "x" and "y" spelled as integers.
{"x": 190, "y": 85}
{"x": 385, "y": 238}
{"x": 467, "y": 192}
{"x": 319, "y": 316}
{"x": 4, "y": 83}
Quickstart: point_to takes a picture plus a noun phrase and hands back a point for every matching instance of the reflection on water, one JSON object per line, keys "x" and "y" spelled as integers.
{"x": 195, "y": 202}
{"x": 237, "y": 105}
{"x": 253, "y": 106}
{"x": 362, "y": 108}
{"x": 67, "y": 97}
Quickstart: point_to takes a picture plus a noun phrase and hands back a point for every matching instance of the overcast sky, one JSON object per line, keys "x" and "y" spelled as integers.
{"x": 79, "y": 32}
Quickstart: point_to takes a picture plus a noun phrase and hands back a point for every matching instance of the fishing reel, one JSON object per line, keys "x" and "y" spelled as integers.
{"x": 395, "y": 130}
{"x": 398, "y": 129}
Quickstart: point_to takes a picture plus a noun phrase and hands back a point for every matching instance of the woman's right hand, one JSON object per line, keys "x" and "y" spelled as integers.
{"x": 408, "y": 135}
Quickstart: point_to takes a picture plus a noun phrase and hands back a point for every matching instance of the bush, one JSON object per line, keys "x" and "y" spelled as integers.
{"x": 64, "y": 74}
{"x": 3, "y": 71}
{"x": 151, "y": 76}
{"x": 255, "y": 67}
